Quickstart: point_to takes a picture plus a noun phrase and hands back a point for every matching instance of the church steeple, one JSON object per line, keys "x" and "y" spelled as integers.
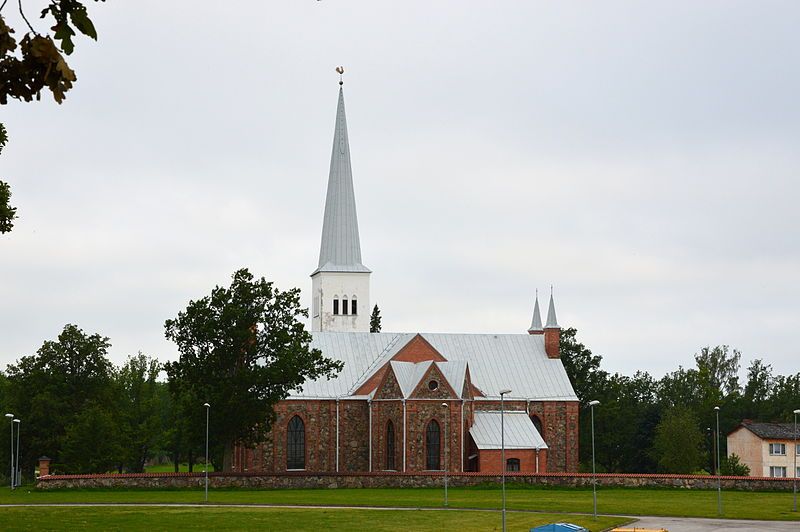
{"x": 340, "y": 284}
{"x": 536, "y": 322}
{"x": 340, "y": 249}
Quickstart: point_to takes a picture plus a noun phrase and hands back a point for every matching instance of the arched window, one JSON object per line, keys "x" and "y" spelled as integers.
{"x": 296, "y": 444}
{"x": 344, "y": 305}
{"x": 512, "y": 464}
{"x": 335, "y": 305}
{"x": 353, "y": 305}
{"x": 433, "y": 445}
{"x": 538, "y": 424}
{"x": 390, "y": 446}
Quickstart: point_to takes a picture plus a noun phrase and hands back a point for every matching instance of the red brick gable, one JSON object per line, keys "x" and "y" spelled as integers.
{"x": 388, "y": 387}
{"x": 418, "y": 350}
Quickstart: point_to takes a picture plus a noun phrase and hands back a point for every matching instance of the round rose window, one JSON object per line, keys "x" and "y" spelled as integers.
{"x": 433, "y": 385}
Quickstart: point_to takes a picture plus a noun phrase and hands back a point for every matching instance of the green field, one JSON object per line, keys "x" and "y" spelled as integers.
{"x": 666, "y": 502}
{"x": 115, "y": 518}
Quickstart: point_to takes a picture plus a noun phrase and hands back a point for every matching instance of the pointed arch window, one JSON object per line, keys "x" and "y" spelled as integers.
{"x": 344, "y": 305}
{"x": 353, "y": 305}
{"x": 433, "y": 446}
{"x": 335, "y": 305}
{"x": 296, "y": 444}
{"x": 538, "y": 424}
{"x": 390, "y": 446}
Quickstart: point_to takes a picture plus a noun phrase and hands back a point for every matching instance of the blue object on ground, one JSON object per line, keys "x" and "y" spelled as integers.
{"x": 559, "y": 527}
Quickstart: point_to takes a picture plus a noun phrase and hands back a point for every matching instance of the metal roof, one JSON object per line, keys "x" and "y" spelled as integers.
{"x": 409, "y": 374}
{"x": 552, "y": 322}
{"x": 496, "y": 361}
{"x": 536, "y": 322}
{"x": 520, "y": 433}
{"x": 340, "y": 249}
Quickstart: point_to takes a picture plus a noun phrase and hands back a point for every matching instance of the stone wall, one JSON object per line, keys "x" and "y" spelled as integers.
{"x": 403, "y": 480}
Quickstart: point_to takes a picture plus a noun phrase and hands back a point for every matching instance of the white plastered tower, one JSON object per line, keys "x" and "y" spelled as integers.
{"x": 340, "y": 278}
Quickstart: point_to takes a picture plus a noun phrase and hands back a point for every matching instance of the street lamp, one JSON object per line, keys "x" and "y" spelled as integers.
{"x": 592, "y": 404}
{"x": 16, "y": 470}
{"x": 446, "y": 445}
{"x": 719, "y": 479}
{"x": 503, "y": 450}
{"x": 205, "y": 462}
{"x": 11, "y": 420}
{"x": 794, "y": 482}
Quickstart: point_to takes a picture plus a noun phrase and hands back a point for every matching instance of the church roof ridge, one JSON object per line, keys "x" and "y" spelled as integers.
{"x": 340, "y": 247}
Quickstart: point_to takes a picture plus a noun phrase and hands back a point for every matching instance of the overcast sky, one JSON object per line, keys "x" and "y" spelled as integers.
{"x": 642, "y": 158}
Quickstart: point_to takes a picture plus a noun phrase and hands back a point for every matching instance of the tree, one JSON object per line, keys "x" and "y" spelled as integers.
{"x": 7, "y": 212}
{"x": 732, "y": 465}
{"x": 678, "y": 443}
{"x": 242, "y": 349}
{"x": 40, "y": 65}
{"x": 56, "y": 389}
{"x": 583, "y": 368}
{"x": 141, "y": 420}
{"x": 375, "y": 320}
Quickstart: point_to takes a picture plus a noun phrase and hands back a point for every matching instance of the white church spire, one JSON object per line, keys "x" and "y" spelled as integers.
{"x": 536, "y": 322}
{"x": 552, "y": 322}
{"x": 340, "y": 284}
{"x": 340, "y": 249}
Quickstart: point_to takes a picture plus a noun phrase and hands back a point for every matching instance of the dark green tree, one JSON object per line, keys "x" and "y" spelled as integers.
{"x": 242, "y": 349}
{"x": 678, "y": 443}
{"x": 7, "y": 212}
{"x": 375, "y": 320}
{"x": 732, "y": 465}
{"x": 583, "y": 368}
{"x": 54, "y": 389}
{"x": 141, "y": 422}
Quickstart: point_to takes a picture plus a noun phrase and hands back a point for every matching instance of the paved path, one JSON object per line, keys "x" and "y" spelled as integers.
{"x": 687, "y": 524}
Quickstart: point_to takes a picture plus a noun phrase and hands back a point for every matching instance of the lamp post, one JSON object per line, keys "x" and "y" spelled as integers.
{"x": 592, "y": 404}
{"x": 16, "y": 461}
{"x": 446, "y": 445}
{"x": 794, "y": 482}
{"x": 11, "y": 420}
{"x": 205, "y": 462}
{"x": 719, "y": 480}
{"x": 503, "y": 450}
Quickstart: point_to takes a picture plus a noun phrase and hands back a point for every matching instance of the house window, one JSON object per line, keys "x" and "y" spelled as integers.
{"x": 797, "y": 449}
{"x": 344, "y": 305}
{"x": 390, "y": 446}
{"x": 335, "y": 305}
{"x": 512, "y": 464}
{"x": 296, "y": 444}
{"x": 432, "y": 446}
{"x": 777, "y": 471}
{"x": 777, "y": 449}
{"x": 353, "y": 306}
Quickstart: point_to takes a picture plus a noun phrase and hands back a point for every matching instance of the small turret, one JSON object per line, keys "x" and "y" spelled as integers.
{"x": 536, "y": 322}
{"x": 552, "y": 331}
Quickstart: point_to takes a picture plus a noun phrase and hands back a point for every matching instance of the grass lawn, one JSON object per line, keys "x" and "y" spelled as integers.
{"x": 276, "y": 519}
{"x": 666, "y": 502}
{"x": 169, "y": 468}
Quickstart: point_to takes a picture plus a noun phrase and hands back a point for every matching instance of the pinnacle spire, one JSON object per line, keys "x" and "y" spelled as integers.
{"x": 340, "y": 249}
{"x": 536, "y": 322}
{"x": 552, "y": 322}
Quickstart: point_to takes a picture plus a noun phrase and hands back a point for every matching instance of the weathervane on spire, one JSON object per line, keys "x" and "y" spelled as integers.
{"x": 340, "y": 70}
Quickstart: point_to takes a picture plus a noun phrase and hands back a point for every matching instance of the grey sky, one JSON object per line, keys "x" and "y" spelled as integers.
{"x": 642, "y": 158}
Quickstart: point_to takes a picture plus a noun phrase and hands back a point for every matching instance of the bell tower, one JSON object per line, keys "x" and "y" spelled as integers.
{"x": 340, "y": 284}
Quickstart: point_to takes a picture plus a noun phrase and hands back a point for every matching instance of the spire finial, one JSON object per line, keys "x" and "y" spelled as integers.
{"x": 340, "y": 70}
{"x": 536, "y": 322}
{"x": 552, "y": 322}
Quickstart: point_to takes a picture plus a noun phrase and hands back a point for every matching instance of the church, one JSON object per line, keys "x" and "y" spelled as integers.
{"x": 414, "y": 401}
